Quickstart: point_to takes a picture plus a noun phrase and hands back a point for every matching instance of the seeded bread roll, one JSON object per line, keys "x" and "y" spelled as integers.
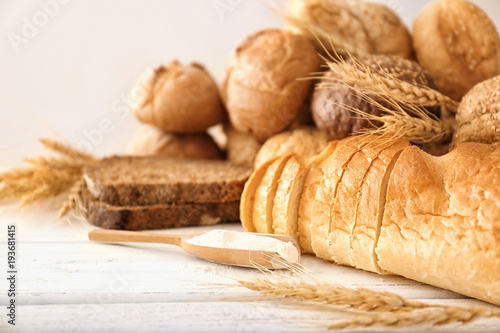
{"x": 178, "y": 98}
{"x": 478, "y": 115}
{"x": 150, "y": 141}
{"x": 305, "y": 141}
{"x": 261, "y": 90}
{"x": 458, "y": 44}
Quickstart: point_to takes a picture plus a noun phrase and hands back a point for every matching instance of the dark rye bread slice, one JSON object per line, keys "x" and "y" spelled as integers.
{"x": 158, "y": 216}
{"x": 155, "y": 180}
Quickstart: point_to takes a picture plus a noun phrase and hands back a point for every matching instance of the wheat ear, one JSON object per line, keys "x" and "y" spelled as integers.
{"x": 440, "y": 316}
{"x": 361, "y": 77}
{"x": 402, "y": 121}
{"x": 48, "y": 177}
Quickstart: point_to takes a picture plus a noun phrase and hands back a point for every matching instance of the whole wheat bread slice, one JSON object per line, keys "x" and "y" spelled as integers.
{"x": 157, "y": 216}
{"x": 148, "y": 181}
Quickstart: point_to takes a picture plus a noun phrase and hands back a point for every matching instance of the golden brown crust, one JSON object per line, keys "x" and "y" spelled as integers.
{"x": 150, "y": 141}
{"x": 458, "y": 44}
{"x": 310, "y": 187}
{"x": 304, "y": 141}
{"x": 179, "y": 98}
{"x": 248, "y": 197}
{"x": 369, "y": 207}
{"x": 343, "y": 209}
{"x": 260, "y": 90}
{"x": 288, "y": 193}
{"x": 332, "y": 170}
{"x": 441, "y": 221}
{"x": 479, "y": 114}
{"x": 361, "y": 27}
{"x": 264, "y": 196}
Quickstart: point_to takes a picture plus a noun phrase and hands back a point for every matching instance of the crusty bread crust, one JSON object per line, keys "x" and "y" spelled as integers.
{"x": 311, "y": 184}
{"x": 369, "y": 210}
{"x": 158, "y": 216}
{"x": 286, "y": 200}
{"x": 332, "y": 170}
{"x": 157, "y": 180}
{"x": 442, "y": 220}
{"x": 264, "y": 196}
{"x": 343, "y": 212}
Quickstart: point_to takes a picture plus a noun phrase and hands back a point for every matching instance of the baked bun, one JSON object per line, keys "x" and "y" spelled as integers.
{"x": 153, "y": 141}
{"x": 241, "y": 147}
{"x": 478, "y": 115}
{"x": 261, "y": 89}
{"x": 458, "y": 44}
{"x": 304, "y": 141}
{"x": 179, "y": 98}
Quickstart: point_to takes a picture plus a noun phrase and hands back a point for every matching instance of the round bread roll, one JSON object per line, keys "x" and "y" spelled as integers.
{"x": 241, "y": 147}
{"x": 178, "y": 98}
{"x": 458, "y": 44}
{"x": 354, "y": 26}
{"x": 153, "y": 141}
{"x": 305, "y": 141}
{"x": 261, "y": 89}
{"x": 338, "y": 122}
{"x": 478, "y": 115}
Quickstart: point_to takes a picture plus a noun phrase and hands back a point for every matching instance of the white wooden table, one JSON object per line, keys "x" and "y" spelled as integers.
{"x": 66, "y": 283}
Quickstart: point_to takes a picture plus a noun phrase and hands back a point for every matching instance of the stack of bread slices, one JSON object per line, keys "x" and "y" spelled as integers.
{"x": 388, "y": 207}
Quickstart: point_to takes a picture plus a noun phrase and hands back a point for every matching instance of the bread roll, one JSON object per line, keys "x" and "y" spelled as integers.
{"x": 305, "y": 141}
{"x": 150, "y": 140}
{"x": 478, "y": 115}
{"x": 261, "y": 90}
{"x": 179, "y": 98}
{"x": 354, "y": 26}
{"x": 389, "y": 207}
{"x": 458, "y": 44}
{"x": 242, "y": 148}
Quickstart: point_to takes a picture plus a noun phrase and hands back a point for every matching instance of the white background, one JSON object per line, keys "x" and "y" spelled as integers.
{"x": 75, "y": 70}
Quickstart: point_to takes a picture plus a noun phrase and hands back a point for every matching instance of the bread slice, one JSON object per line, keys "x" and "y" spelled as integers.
{"x": 343, "y": 212}
{"x": 146, "y": 181}
{"x": 248, "y": 196}
{"x": 441, "y": 221}
{"x": 369, "y": 208}
{"x": 158, "y": 216}
{"x": 286, "y": 200}
{"x": 264, "y": 196}
{"x": 332, "y": 170}
{"x": 310, "y": 186}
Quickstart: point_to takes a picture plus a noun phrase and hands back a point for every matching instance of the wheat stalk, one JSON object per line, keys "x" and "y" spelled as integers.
{"x": 401, "y": 121}
{"x": 48, "y": 177}
{"x": 362, "y": 78}
{"x": 74, "y": 198}
{"x": 440, "y": 316}
{"x": 369, "y": 307}
{"x": 66, "y": 150}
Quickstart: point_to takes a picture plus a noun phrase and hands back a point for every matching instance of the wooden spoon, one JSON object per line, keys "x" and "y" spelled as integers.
{"x": 228, "y": 256}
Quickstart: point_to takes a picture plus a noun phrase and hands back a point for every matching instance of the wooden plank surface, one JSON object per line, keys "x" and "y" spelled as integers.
{"x": 66, "y": 283}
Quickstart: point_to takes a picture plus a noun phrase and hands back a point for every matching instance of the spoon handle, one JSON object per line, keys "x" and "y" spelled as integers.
{"x": 133, "y": 236}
